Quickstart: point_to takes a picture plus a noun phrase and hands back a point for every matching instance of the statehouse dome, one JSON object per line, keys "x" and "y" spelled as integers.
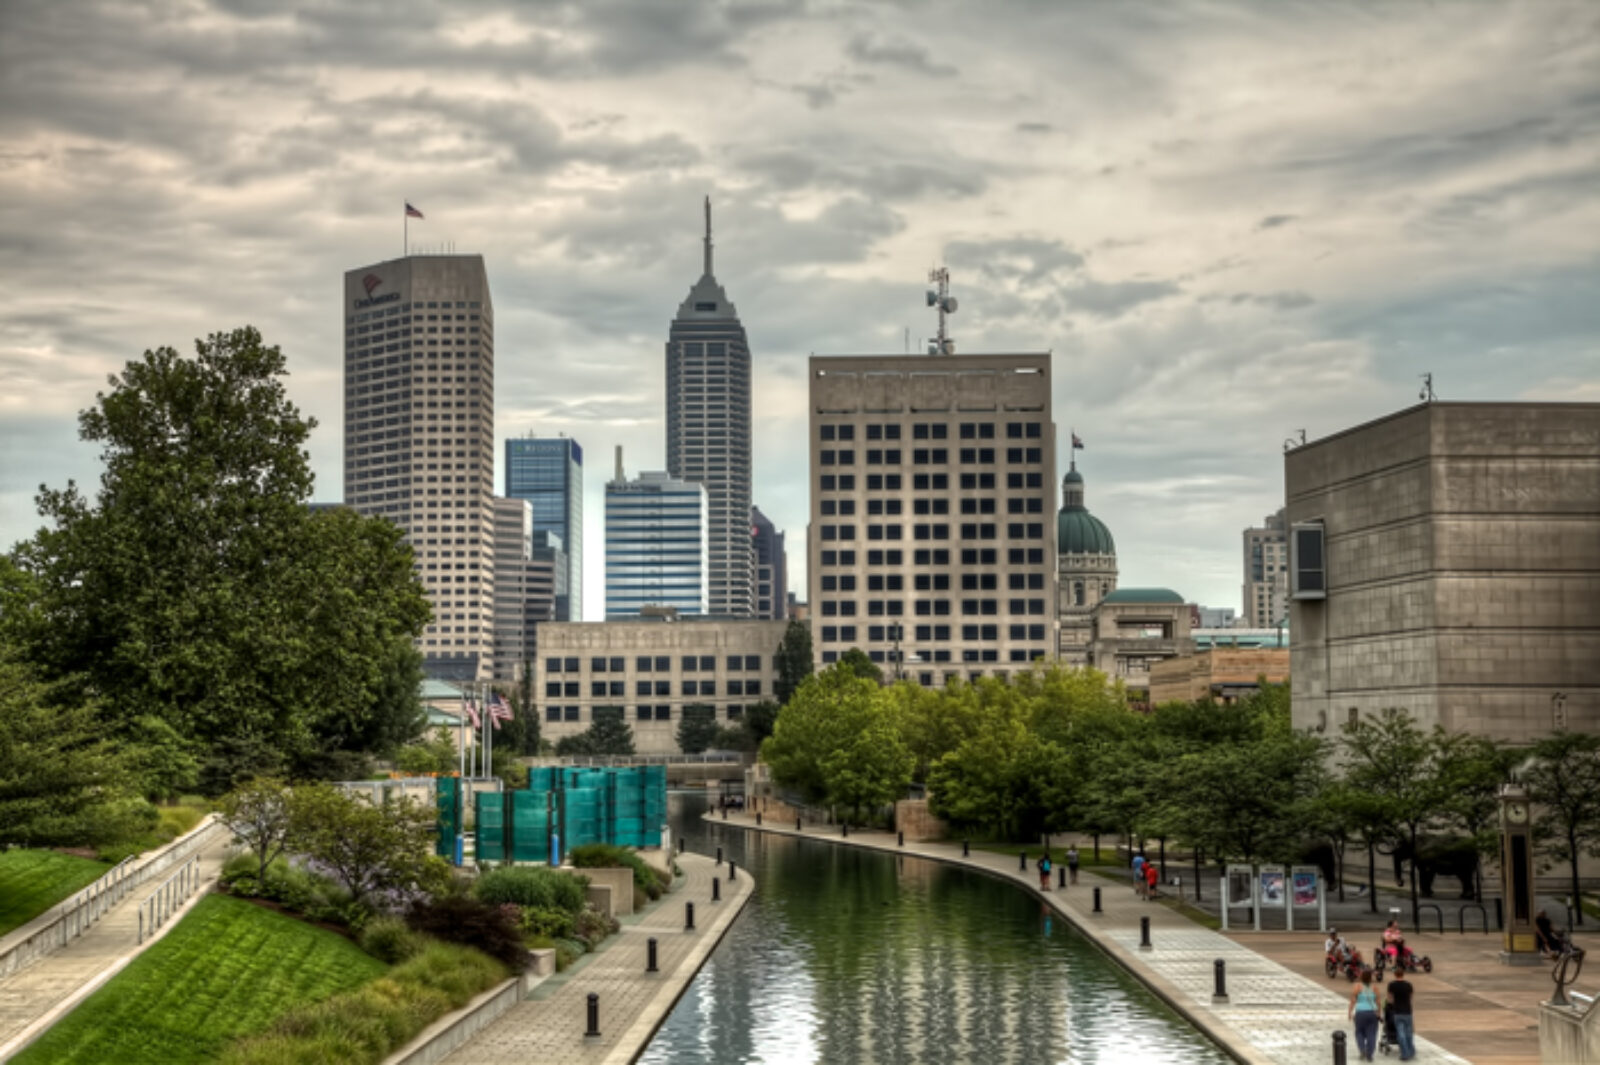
{"x": 1077, "y": 531}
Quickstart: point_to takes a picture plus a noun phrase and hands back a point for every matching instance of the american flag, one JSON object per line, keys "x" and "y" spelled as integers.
{"x": 499, "y": 709}
{"x": 412, "y": 212}
{"x": 470, "y": 712}
{"x": 1077, "y": 442}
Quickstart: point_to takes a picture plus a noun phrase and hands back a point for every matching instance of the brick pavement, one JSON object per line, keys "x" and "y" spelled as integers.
{"x": 1273, "y": 1015}
{"x": 549, "y": 1027}
{"x": 36, "y": 997}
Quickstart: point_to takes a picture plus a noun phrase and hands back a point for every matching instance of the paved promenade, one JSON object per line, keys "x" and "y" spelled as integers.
{"x": 1273, "y": 1014}
{"x": 549, "y": 1028}
{"x": 33, "y": 999}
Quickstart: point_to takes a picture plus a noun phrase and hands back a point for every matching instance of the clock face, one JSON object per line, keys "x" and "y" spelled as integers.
{"x": 1517, "y": 812}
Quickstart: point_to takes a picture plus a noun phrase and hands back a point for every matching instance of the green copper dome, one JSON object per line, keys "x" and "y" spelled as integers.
{"x": 1077, "y": 531}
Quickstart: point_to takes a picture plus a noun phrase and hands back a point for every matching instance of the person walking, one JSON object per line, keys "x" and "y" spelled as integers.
{"x": 1044, "y": 871}
{"x": 1364, "y": 1012}
{"x": 1072, "y": 865}
{"x": 1152, "y": 877}
{"x": 1405, "y": 1030}
{"x": 1138, "y": 874}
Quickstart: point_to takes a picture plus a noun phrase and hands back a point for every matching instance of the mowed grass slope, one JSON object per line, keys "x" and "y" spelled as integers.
{"x": 229, "y": 968}
{"x": 33, "y": 881}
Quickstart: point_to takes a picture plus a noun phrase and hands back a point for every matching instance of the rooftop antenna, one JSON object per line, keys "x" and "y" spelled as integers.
{"x": 708, "y": 236}
{"x": 1426, "y": 394}
{"x": 946, "y": 305}
{"x": 620, "y": 477}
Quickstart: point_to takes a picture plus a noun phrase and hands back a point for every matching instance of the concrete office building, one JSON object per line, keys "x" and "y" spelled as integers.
{"x": 655, "y": 545}
{"x": 1446, "y": 560}
{"x": 1132, "y": 629}
{"x": 1266, "y": 573}
{"x": 708, "y": 431}
{"x": 513, "y": 564}
{"x": 419, "y": 437}
{"x": 1086, "y": 565}
{"x": 653, "y": 668}
{"x": 772, "y": 568}
{"x": 548, "y": 472}
{"x": 931, "y": 481}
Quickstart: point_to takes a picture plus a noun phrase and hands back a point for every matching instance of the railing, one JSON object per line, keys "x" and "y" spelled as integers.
{"x": 1461, "y": 917}
{"x": 79, "y": 913}
{"x": 165, "y": 900}
{"x": 1438, "y": 913}
{"x": 606, "y": 760}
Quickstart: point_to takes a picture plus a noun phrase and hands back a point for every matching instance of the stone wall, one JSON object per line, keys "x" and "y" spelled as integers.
{"x": 911, "y": 816}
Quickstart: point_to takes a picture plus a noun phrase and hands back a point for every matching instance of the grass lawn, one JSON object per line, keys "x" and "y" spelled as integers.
{"x": 33, "y": 881}
{"x": 228, "y": 968}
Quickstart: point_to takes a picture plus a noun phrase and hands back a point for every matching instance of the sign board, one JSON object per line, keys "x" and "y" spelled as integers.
{"x": 1304, "y": 881}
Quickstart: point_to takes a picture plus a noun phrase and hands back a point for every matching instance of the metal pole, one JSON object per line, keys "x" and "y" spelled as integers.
{"x": 1096, "y": 900}
{"x": 650, "y": 964}
{"x": 594, "y": 1016}
{"x": 1220, "y": 993}
{"x": 1338, "y": 1048}
{"x": 716, "y": 890}
{"x": 900, "y": 839}
{"x": 1144, "y": 932}
{"x": 733, "y": 869}
{"x": 688, "y": 917}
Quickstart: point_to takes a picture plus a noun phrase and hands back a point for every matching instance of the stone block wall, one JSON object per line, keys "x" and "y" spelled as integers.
{"x": 911, "y": 816}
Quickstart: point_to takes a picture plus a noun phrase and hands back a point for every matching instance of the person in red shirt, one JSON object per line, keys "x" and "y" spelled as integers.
{"x": 1151, "y": 877}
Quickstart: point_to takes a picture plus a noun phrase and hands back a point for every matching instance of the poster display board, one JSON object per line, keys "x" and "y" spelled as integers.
{"x": 1273, "y": 890}
{"x": 1238, "y": 889}
{"x": 1305, "y": 886}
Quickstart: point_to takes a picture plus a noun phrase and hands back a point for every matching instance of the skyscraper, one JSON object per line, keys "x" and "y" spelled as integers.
{"x": 772, "y": 568}
{"x": 419, "y": 437}
{"x": 655, "y": 544}
{"x": 1266, "y": 574}
{"x": 708, "y": 430}
{"x": 548, "y": 472}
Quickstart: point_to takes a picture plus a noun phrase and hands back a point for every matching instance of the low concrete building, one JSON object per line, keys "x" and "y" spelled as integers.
{"x": 1134, "y": 628}
{"x": 1446, "y": 560}
{"x": 1224, "y": 674}
{"x": 652, "y": 667}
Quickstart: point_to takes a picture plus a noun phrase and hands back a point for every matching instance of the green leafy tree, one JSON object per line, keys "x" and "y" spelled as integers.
{"x": 856, "y": 661}
{"x": 871, "y": 768}
{"x": 818, "y": 719}
{"x": 1565, "y": 785}
{"x": 196, "y": 588}
{"x": 161, "y": 760}
{"x": 794, "y": 660}
{"x": 759, "y": 720}
{"x": 435, "y": 754}
{"x": 1471, "y": 769}
{"x": 367, "y": 847}
{"x": 608, "y": 733}
{"x": 999, "y": 779}
{"x": 1245, "y": 799}
{"x": 1398, "y": 764}
{"x": 697, "y": 728}
{"x": 260, "y": 816}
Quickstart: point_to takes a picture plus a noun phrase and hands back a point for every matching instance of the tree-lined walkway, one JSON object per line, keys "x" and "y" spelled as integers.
{"x": 549, "y": 1027}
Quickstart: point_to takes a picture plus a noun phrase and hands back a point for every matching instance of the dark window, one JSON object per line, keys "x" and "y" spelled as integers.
{"x": 642, "y": 663}
{"x": 827, "y": 482}
{"x": 752, "y": 663}
{"x": 552, "y": 665}
{"x": 847, "y": 432}
{"x": 641, "y": 687}
{"x": 663, "y": 664}
{"x": 597, "y": 665}
{"x": 572, "y": 665}
{"x": 552, "y": 687}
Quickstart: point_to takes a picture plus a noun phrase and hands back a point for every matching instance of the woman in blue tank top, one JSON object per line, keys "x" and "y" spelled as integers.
{"x": 1364, "y": 1011}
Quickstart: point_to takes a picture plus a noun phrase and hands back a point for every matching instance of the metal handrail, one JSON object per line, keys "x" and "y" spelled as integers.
{"x": 165, "y": 900}
{"x": 603, "y": 760}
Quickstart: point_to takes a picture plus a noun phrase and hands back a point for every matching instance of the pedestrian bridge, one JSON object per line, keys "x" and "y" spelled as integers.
{"x": 681, "y": 768}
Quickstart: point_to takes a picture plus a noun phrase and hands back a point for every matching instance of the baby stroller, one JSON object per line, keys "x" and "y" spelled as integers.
{"x": 1388, "y": 1038}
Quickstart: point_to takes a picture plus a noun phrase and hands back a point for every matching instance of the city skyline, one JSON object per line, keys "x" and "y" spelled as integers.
{"x": 1191, "y": 206}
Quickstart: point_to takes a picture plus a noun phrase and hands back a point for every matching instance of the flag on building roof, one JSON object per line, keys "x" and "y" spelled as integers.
{"x": 412, "y": 212}
{"x": 1077, "y": 442}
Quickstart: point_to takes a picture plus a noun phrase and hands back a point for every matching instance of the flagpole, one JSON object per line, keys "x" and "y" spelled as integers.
{"x": 461, "y": 742}
{"x": 405, "y": 230}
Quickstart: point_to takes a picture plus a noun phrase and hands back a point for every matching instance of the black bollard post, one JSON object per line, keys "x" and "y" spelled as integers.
{"x": 716, "y": 890}
{"x": 650, "y": 956}
{"x": 594, "y": 1017}
{"x": 1338, "y": 1048}
{"x": 724, "y": 813}
{"x": 1061, "y": 876}
{"x": 797, "y": 827}
{"x": 1499, "y": 913}
{"x": 733, "y": 870}
{"x": 1144, "y": 933}
{"x": 758, "y": 818}
{"x": 899, "y": 839}
{"x": 688, "y": 917}
{"x": 719, "y": 855}
{"x": 1022, "y": 862}
{"x": 966, "y": 850}
{"x": 1220, "y": 993}
{"x": 680, "y": 844}
{"x": 844, "y": 829}
{"x": 1096, "y": 900}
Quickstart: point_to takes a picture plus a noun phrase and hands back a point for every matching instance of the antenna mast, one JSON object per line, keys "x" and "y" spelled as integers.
{"x": 708, "y": 236}
{"x": 946, "y": 305}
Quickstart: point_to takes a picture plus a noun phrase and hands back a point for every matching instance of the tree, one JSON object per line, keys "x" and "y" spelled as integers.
{"x": 608, "y": 733}
{"x": 1398, "y": 764}
{"x": 697, "y": 728}
{"x": 794, "y": 660}
{"x": 198, "y": 589}
{"x": 367, "y": 847}
{"x": 1471, "y": 770}
{"x": 1565, "y": 786}
{"x": 872, "y": 768}
{"x": 160, "y": 759}
{"x": 435, "y": 754}
{"x": 856, "y": 661}
{"x": 759, "y": 720}
{"x": 819, "y": 719}
{"x": 260, "y": 816}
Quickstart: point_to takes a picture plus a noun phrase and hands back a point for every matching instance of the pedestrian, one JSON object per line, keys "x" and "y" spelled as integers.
{"x": 1400, "y": 1009}
{"x": 1072, "y": 865}
{"x": 1364, "y": 1011}
{"x": 1138, "y": 874}
{"x": 1044, "y": 871}
{"x": 1152, "y": 877}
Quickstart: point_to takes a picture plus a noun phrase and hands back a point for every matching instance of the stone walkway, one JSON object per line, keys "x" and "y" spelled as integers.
{"x": 1273, "y": 1015}
{"x": 549, "y": 1028}
{"x": 48, "y": 989}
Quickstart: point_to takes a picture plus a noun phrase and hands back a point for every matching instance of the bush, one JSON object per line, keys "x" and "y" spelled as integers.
{"x": 567, "y": 952}
{"x": 536, "y": 888}
{"x": 592, "y": 926}
{"x": 492, "y": 928}
{"x": 389, "y": 940}
{"x": 300, "y": 891}
{"x": 548, "y": 923}
{"x": 610, "y": 856}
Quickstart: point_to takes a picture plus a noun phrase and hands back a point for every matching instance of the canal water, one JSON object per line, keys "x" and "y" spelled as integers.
{"x": 845, "y": 955}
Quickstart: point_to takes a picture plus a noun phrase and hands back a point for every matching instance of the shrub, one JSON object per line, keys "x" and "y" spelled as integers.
{"x": 496, "y": 930}
{"x": 533, "y": 887}
{"x": 609, "y": 856}
{"x": 389, "y": 940}
{"x": 592, "y": 926}
{"x": 547, "y": 922}
{"x": 567, "y": 952}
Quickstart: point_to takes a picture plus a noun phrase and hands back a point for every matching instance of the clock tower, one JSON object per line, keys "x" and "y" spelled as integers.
{"x": 1516, "y": 876}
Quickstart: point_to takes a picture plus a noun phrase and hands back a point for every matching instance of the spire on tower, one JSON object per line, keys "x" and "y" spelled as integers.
{"x": 708, "y": 236}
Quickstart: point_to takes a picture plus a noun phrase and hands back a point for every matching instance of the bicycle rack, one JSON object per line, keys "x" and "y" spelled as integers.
{"x": 1461, "y": 917}
{"x": 1438, "y": 913}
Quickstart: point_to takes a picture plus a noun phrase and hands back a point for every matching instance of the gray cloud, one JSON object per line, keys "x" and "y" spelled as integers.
{"x": 898, "y": 52}
{"x": 1273, "y": 221}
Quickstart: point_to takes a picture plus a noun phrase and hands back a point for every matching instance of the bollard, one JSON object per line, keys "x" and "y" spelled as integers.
{"x": 1096, "y": 900}
{"x": 650, "y": 955}
{"x": 724, "y": 813}
{"x": 719, "y": 855}
{"x": 688, "y": 917}
{"x": 1338, "y": 1048}
{"x": 844, "y": 830}
{"x": 733, "y": 870}
{"x": 1061, "y": 876}
{"x": 1022, "y": 861}
{"x": 1499, "y": 913}
{"x": 594, "y": 1016}
{"x": 716, "y": 890}
{"x": 899, "y": 839}
{"x": 797, "y": 827}
{"x": 758, "y": 818}
{"x": 1144, "y": 933}
{"x": 965, "y": 850}
{"x": 1220, "y": 993}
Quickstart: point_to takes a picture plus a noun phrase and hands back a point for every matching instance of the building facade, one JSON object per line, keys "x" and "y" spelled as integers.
{"x": 419, "y": 437}
{"x": 1266, "y": 573}
{"x": 929, "y": 546}
{"x": 513, "y": 563}
{"x": 708, "y": 431}
{"x": 653, "y": 668}
{"x": 772, "y": 568}
{"x": 548, "y": 473}
{"x": 656, "y": 554}
{"x": 1446, "y": 560}
{"x": 1086, "y": 567}
{"x": 1224, "y": 674}
{"x": 1132, "y": 629}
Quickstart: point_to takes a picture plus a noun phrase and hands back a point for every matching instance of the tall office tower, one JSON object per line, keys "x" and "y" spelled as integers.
{"x": 551, "y": 588}
{"x": 772, "y": 568}
{"x": 419, "y": 437}
{"x": 1266, "y": 574}
{"x": 930, "y": 544}
{"x": 656, "y": 554}
{"x": 548, "y": 472}
{"x": 513, "y": 576}
{"x": 708, "y": 430}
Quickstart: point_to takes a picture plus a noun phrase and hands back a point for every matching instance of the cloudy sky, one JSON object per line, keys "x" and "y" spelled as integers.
{"x": 1228, "y": 222}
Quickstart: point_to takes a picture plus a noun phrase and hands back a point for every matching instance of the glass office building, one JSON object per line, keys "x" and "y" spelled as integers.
{"x": 548, "y": 473}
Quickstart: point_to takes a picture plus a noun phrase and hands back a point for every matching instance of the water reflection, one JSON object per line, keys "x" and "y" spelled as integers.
{"x": 852, "y": 956}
